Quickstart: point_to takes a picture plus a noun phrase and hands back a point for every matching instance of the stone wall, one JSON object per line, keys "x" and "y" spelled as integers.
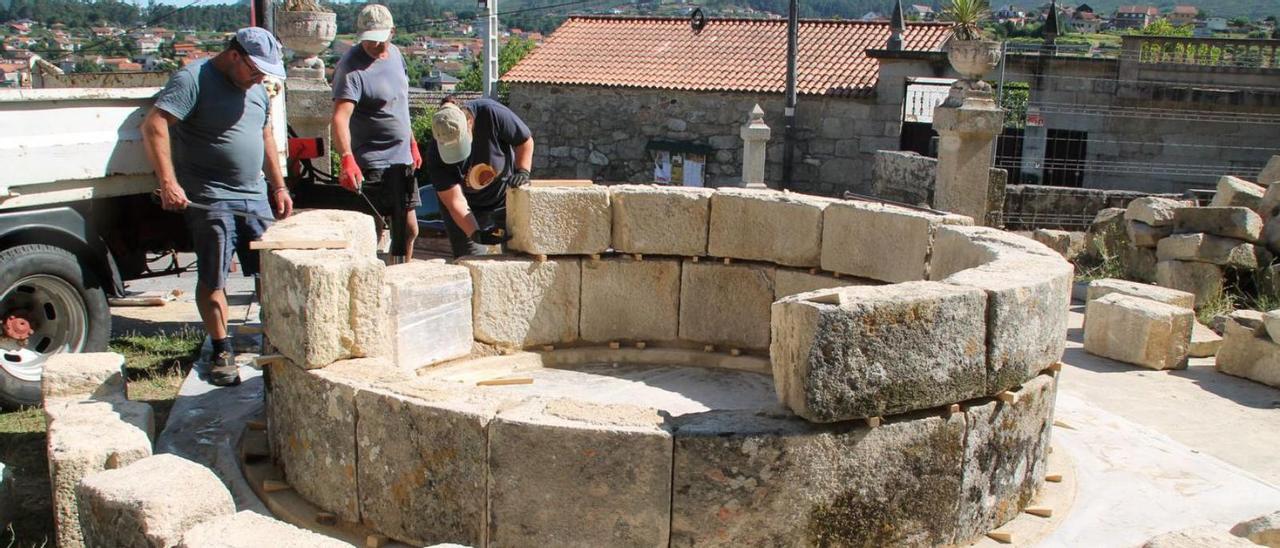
{"x": 589, "y": 132}
{"x": 1028, "y": 207}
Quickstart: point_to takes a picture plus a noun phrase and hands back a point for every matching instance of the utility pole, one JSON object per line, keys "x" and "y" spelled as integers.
{"x": 489, "y": 76}
{"x": 789, "y": 145}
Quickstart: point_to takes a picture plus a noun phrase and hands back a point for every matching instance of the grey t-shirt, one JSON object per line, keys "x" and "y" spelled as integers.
{"x": 380, "y": 129}
{"x": 217, "y": 145}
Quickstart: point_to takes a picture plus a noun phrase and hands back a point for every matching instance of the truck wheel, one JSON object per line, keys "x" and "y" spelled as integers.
{"x": 49, "y": 303}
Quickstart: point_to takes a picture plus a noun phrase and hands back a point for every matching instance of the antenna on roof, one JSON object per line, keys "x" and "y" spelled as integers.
{"x": 898, "y": 26}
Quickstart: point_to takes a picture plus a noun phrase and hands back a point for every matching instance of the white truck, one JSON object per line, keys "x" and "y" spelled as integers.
{"x": 76, "y": 221}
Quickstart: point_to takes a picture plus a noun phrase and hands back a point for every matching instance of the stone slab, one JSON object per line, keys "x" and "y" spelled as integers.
{"x": 1152, "y": 211}
{"x": 877, "y": 241}
{"x": 618, "y": 455}
{"x": 1237, "y": 192}
{"x": 788, "y": 281}
{"x": 742, "y": 479}
{"x": 1271, "y": 322}
{"x": 1107, "y": 286}
{"x": 428, "y": 306}
{"x": 1247, "y": 353}
{"x": 1240, "y": 223}
{"x": 766, "y": 225}
{"x": 660, "y": 220}
{"x": 151, "y": 502}
{"x": 1204, "y": 280}
{"x": 1144, "y": 235}
{"x": 849, "y": 353}
{"x": 1264, "y": 529}
{"x": 726, "y": 304}
{"x": 248, "y": 529}
{"x": 625, "y": 299}
{"x": 1066, "y": 243}
{"x": 1205, "y": 248}
{"x": 1271, "y": 172}
{"x": 1269, "y": 207}
{"x": 1204, "y": 342}
{"x": 1006, "y": 448}
{"x": 1252, "y": 319}
{"x": 1138, "y": 331}
{"x": 83, "y": 375}
{"x": 1198, "y": 537}
{"x": 356, "y": 227}
{"x": 321, "y": 306}
{"x": 519, "y": 302}
{"x": 559, "y": 220}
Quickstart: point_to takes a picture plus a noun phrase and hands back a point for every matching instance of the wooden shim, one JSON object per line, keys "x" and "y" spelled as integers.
{"x": 539, "y": 183}
{"x": 298, "y": 244}
{"x": 548, "y": 348}
{"x": 693, "y": 259}
{"x": 595, "y": 256}
{"x": 1039, "y": 511}
{"x": 505, "y": 382}
{"x": 735, "y": 352}
{"x": 708, "y": 348}
{"x": 953, "y": 409}
{"x": 874, "y": 422}
{"x": 1001, "y": 537}
{"x": 326, "y": 518}
{"x": 641, "y": 344}
{"x": 540, "y": 258}
{"x": 263, "y": 361}
{"x": 376, "y": 541}
{"x": 249, "y": 329}
{"x": 1060, "y": 424}
{"x": 614, "y": 345}
{"x": 256, "y": 424}
{"x": 1053, "y": 478}
{"x": 272, "y": 486}
{"x": 1056, "y": 367}
{"x": 137, "y": 301}
{"x": 728, "y": 260}
{"x": 637, "y": 256}
{"x": 836, "y": 274}
{"x": 1008, "y": 397}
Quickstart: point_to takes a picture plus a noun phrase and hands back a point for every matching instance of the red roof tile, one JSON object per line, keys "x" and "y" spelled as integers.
{"x": 728, "y": 55}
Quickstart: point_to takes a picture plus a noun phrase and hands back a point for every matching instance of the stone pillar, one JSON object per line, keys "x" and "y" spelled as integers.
{"x": 309, "y": 104}
{"x": 308, "y": 97}
{"x": 755, "y": 137}
{"x": 967, "y": 124}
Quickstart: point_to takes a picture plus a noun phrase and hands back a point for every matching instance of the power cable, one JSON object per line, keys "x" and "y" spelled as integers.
{"x": 1025, "y": 77}
{"x": 431, "y": 22}
{"x": 63, "y": 54}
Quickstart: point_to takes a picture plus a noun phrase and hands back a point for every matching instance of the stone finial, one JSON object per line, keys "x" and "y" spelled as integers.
{"x": 897, "y": 26}
{"x": 756, "y": 116}
{"x": 755, "y": 134}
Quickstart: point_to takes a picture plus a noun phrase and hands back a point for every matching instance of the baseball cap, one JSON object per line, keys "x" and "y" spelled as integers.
{"x": 453, "y": 137}
{"x": 374, "y": 24}
{"x": 263, "y": 50}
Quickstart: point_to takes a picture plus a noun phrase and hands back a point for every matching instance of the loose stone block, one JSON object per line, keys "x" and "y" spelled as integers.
{"x": 84, "y": 437}
{"x": 1152, "y": 210}
{"x": 1271, "y": 172}
{"x": 429, "y": 309}
{"x": 519, "y": 302}
{"x": 1204, "y": 342}
{"x": 1269, "y": 207}
{"x": 151, "y": 502}
{"x": 1240, "y": 223}
{"x": 1204, "y": 280}
{"x": 789, "y": 282}
{"x": 726, "y": 304}
{"x": 1005, "y": 451}
{"x": 1107, "y": 286}
{"x": 766, "y": 225}
{"x": 1066, "y": 243}
{"x": 619, "y": 456}
{"x": 356, "y": 228}
{"x": 1271, "y": 321}
{"x": 83, "y": 375}
{"x": 1237, "y": 192}
{"x": 249, "y": 529}
{"x": 1144, "y": 235}
{"x": 630, "y": 300}
{"x": 1138, "y": 331}
{"x": 660, "y": 220}
{"x": 321, "y": 306}
{"x": 1198, "y": 537}
{"x": 1251, "y": 319}
{"x": 1247, "y": 353}
{"x": 742, "y": 479}
{"x": 559, "y": 220}
{"x": 1205, "y": 248}
{"x": 876, "y": 241}
{"x": 1264, "y": 529}
{"x": 849, "y": 353}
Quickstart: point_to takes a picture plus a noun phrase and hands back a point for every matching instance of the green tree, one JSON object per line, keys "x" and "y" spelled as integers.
{"x": 508, "y": 55}
{"x": 1163, "y": 27}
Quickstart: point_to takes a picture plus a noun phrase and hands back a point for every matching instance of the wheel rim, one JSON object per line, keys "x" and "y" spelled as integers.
{"x": 57, "y": 315}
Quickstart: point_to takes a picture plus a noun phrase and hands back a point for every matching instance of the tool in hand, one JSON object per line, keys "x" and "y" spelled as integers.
{"x": 155, "y": 197}
{"x": 377, "y": 215}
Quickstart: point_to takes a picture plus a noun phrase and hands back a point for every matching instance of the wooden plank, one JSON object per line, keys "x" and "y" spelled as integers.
{"x": 298, "y": 244}
{"x": 248, "y": 329}
{"x": 505, "y": 382}
{"x": 1053, "y": 478}
{"x": 256, "y": 425}
{"x": 1039, "y": 511}
{"x": 560, "y": 182}
{"x": 263, "y": 361}
{"x": 874, "y": 422}
{"x": 1001, "y": 537}
{"x": 1008, "y": 397}
{"x": 640, "y": 345}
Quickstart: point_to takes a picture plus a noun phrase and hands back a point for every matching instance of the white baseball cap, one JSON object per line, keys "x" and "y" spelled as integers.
{"x": 453, "y": 136}
{"x": 374, "y": 24}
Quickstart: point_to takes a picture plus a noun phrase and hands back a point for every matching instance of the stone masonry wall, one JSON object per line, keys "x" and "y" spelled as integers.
{"x": 599, "y": 133}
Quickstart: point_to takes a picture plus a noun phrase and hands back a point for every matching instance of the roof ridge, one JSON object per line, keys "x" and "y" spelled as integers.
{"x": 773, "y": 20}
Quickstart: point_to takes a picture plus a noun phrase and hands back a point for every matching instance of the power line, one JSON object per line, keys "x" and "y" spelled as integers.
{"x": 1119, "y": 82}
{"x": 1147, "y": 168}
{"x": 431, "y": 22}
{"x": 1157, "y": 143}
{"x": 1156, "y": 113}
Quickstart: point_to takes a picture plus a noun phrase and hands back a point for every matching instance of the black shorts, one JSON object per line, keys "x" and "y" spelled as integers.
{"x": 386, "y": 186}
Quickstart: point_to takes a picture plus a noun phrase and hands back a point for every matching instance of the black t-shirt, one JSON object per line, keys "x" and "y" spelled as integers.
{"x": 496, "y": 132}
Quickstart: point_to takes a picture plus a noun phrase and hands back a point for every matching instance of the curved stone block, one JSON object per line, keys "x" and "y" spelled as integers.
{"x": 630, "y": 300}
{"x": 726, "y": 304}
{"x": 321, "y": 306}
{"x": 660, "y": 220}
{"x": 788, "y": 282}
{"x": 250, "y": 529}
{"x": 957, "y": 248}
{"x": 766, "y": 225}
{"x": 877, "y": 241}
{"x": 354, "y": 227}
{"x": 857, "y": 352}
{"x": 559, "y": 220}
{"x": 83, "y": 374}
{"x": 520, "y": 302}
{"x": 151, "y": 502}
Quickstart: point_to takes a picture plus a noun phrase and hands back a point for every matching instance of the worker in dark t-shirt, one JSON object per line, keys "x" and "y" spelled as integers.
{"x": 478, "y": 151}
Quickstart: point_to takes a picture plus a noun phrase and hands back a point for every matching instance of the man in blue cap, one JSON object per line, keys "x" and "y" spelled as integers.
{"x": 210, "y": 141}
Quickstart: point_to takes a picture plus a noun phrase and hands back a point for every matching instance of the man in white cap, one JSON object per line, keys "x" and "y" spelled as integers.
{"x": 210, "y": 142}
{"x": 371, "y": 128}
{"x": 478, "y": 150}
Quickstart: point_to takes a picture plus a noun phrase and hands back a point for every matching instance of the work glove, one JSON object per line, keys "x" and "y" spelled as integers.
{"x": 490, "y": 236}
{"x": 351, "y": 177}
{"x": 519, "y": 178}
{"x": 417, "y": 154}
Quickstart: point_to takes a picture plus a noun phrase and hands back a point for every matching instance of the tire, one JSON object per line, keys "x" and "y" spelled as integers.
{"x": 66, "y": 306}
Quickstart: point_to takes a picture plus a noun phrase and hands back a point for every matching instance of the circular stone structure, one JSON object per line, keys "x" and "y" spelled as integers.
{"x": 667, "y": 366}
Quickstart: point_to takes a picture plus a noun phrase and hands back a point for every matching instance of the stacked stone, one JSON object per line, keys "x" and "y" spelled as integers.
{"x": 1269, "y": 209}
{"x": 1251, "y": 346}
{"x": 1147, "y": 221}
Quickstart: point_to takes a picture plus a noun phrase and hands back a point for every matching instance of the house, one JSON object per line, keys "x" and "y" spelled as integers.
{"x": 105, "y": 32}
{"x": 1217, "y": 24}
{"x": 1135, "y": 17}
{"x": 1183, "y": 15}
{"x": 120, "y": 64}
{"x": 14, "y": 74}
{"x": 634, "y": 98}
{"x": 1086, "y": 22}
{"x": 1084, "y": 8}
{"x": 439, "y": 81}
{"x": 147, "y": 44}
{"x": 918, "y": 12}
{"x": 185, "y": 49}
{"x": 20, "y": 28}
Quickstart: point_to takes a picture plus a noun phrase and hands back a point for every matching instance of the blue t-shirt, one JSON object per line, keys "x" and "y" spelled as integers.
{"x": 380, "y": 128}
{"x": 496, "y": 133}
{"x": 217, "y": 145}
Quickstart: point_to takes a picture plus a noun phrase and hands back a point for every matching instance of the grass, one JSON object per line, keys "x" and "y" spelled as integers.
{"x": 155, "y": 366}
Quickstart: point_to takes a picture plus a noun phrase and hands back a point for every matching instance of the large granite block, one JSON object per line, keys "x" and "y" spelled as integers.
{"x": 660, "y": 220}
{"x": 788, "y": 281}
{"x": 1107, "y": 286}
{"x": 766, "y": 225}
{"x": 83, "y": 375}
{"x": 428, "y": 306}
{"x": 151, "y": 502}
{"x": 518, "y": 302}
{"x": 1144, "y": 235}
{"x": 1204, "y": 248}
{"x": 1237, "y": 192}
{"x": 877, "y": 241}
{"x": 726, "y": 304}
{"x": 618, "y": 456}
{"x": 742, "y": 479}
{"x": 1152, "y": 210}
{"x": 630, "y": 300}
{"x": 321, "y": 306}
{"x": 559, "y": 220}
{"x": 1248, "y": 352}
{"x": 957, "y": 248}
{"x": 1204, "y": 280}
{"x": 1240, "y": 223}
{"x": 354, "y": 227}
{"x": 1138, "y": 331}
{"x": 249, "y": 529}
{"x": 848, "y": 353}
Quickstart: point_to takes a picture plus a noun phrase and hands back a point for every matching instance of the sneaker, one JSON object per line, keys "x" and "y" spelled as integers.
{"x": 224, "y": 371}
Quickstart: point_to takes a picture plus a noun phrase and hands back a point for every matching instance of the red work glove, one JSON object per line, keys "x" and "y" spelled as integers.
{"x": 417, "y": 156}
{"x": 351, "y": 177}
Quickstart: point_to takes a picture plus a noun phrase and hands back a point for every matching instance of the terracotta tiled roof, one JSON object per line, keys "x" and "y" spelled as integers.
{"x": 728, "y": 55}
